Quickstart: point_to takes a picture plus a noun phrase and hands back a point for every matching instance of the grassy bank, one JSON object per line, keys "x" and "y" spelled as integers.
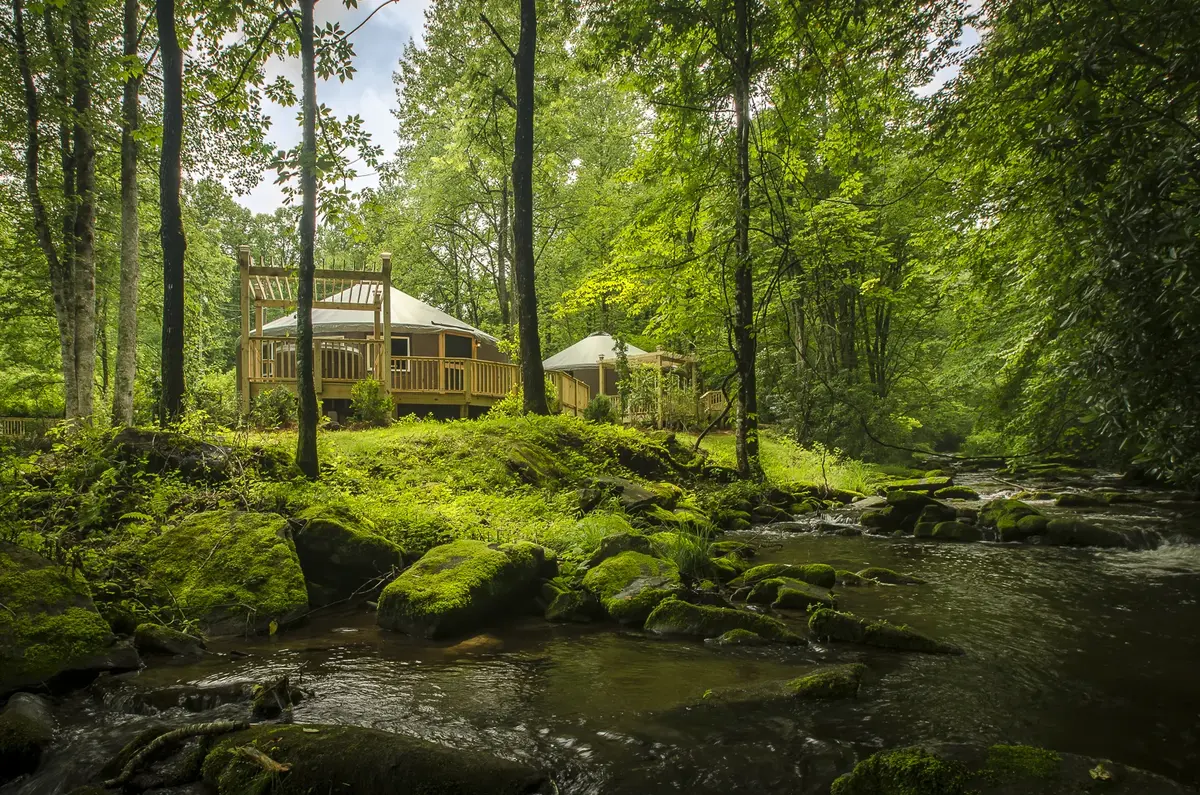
{"x": 785, "y": 461}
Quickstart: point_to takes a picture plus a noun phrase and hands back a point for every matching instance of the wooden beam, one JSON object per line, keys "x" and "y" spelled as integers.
{"x": 442, "y": 363}
{"x": 288, "y": 304}
{"x": 244, "y": 269}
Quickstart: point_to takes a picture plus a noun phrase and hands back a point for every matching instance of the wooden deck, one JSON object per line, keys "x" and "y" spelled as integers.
{"x": 25, "y": 427}
{"x": 412, "y": 380}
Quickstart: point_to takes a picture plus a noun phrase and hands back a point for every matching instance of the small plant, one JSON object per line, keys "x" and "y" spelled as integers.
{"x": 688, "y": 549}
{"x": 601, "y": 409}
{"x": 275, "y": 408}
{"x": 371, "y": 403}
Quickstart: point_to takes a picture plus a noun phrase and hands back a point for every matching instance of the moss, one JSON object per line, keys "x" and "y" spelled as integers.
{"x": 617, "y": 543}
{"x": 231, "y": 571}
{"x": 889, "y": 577}
{"x": 1080, "y": 500}
{"x": 723, "y": 548}
{"x": 631, "y": 584}
{"x": 676, "y": 617}
{"x": 1012, "y": 520}
{"x": 906, "y": 771}
{"x": 841, "y": 681}
{"x": 956, "y": 493}
{"x": 1076, "y": 533}
{"x": 827, "y": 624}
{"x": 157, "y": 639}
{"x": 341, "y": 555}
{"x": 799, "y": 594}
{"x": 849, "y": 579}
{"x": 923, "y": 485}
{"x": 455, "y": 587}
{"x": 740, "y": 637}
{"x": 50, "y": 624}
{"x": 728, "y": 568}
{"x": 21, "y": 742}
{"x": 362, "y": 761}
{"x": 1014, "y": 762}
{"x": 813, "y": 573}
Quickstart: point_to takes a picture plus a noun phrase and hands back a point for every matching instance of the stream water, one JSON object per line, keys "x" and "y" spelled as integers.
{"x": 1085, "y": 651}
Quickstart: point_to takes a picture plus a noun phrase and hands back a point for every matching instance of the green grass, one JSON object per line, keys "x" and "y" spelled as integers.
{"x": 784, "y": 461}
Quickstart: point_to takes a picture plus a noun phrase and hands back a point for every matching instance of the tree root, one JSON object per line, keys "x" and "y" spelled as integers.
{"x": 170, "y": 738}
{"x": 262, "y": 760}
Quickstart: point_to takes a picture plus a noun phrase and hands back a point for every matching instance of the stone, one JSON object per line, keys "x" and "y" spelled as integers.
{"x": 1012, "y": 520}
{"x": 631, "y": 584}
{"x": 327, "y": 758}
{"x": 1065, "y": 532}
{"x": 633, "y": 497}
{"x": 49, "y": 627}
{"x": 788, "y": 593}
{"x": 813, "y": 573}
{"x": 341, "y": 556}
{"x": 720, "y": 549}
{"x": 849, "y": 579}
{"x": 676, "y": 617}
{"x": 889, "y": 577}
{"x": 456, "y": 588}
{"x": 830, "y": 683}
{"x": 564, "y": 603}
{"x": 26, "y": 730}
{"x": 157, "y": 639}
{"x": 1080, "y": 499}
{"x": 615, "y": 544}
{"x": 949, "y": 531}
{"x": 162, "y": 451}
{"x": 826, "y": 624}
{"x": 738, "y": 637}
{"x": 920, "y": 485}
{"x": 233, "y": 572}
{"x": 956, "y": 493}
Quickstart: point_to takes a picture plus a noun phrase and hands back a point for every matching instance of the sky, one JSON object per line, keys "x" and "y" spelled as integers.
{"x": 371, "y": 94}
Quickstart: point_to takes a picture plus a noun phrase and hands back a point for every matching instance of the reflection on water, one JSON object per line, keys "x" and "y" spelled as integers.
{"x": 1078, "y": 650}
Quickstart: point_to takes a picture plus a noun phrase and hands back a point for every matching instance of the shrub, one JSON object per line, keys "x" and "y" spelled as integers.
{"x": 275, "y": 408}
{"x": 513, "y": 404}
{"x": 601, "y": 409}
{"x": 216, "y": 395}
{"x": 371, "y": 403}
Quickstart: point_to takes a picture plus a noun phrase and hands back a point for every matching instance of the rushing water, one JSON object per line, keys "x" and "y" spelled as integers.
{"x": 1086, "y": 651}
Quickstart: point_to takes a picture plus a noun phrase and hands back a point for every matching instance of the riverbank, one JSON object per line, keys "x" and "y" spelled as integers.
{"x": 649, "y": 605}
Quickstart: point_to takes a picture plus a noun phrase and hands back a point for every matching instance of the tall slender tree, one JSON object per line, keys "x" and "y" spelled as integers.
{"x": 170, "y": 177}
{"x": 306, "y": 443}
{"x": 127, "y": 312}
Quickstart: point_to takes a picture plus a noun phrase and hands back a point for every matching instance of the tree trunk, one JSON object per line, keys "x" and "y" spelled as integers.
{"x": 532, "y": 376}
{"x": 84, "y": 226}
{"x": 174, "y": 244}
{"x": 502, "y": 257}
{"x": 122, "y": 410}
{"x": 745, "y": 345}
{"x": 306, "y": 443}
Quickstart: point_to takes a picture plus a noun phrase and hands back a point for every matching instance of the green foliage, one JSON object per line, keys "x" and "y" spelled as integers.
{"x": 216, "y": 395}
{"x": 276, "y": 407}
{"x": 371, "y": 403}
{"x": 688, "y": 550}
{"x": 601, "y": 409}
{"x": 786, "y": 462}
{"x": 907, "y": 771}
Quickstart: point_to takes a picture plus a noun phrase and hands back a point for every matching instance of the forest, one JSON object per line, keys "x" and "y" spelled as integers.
{"x": 729, "y": 395}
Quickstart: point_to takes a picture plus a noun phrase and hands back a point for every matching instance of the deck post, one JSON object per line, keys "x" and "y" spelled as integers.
{"x": 317, "y": 365}
{"x": 244, "y": 268}
{"x": 600, "y": 376}
{"x": 442, "y": 362}
{"x": 385, "y": 372}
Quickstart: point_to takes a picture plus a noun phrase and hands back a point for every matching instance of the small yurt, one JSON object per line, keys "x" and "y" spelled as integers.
{"x": 592, "y": 360}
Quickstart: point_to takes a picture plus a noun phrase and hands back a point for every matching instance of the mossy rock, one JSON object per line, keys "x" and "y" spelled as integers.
{"x": 341, "y": 556}
{"x": 951, "y": 531}
{"x": 678, "y": 520}
{"x": 157, "y": 639}
{"x": 738, "y": 637}
{"x": 363, "y": 761}
{"x": 832, "y": 625}
{"x": 848, "y": 579}
{"x": 456, "y": 588}
{"x": 728, "y": 568}
{"x": 564, "y": 603}
{"x": 830, "y": 683}
{"x": 160, "y": 451}
{"x": 1012, "y": 520}
{"x": 932, "y": 514}
{"x": 26, "y": 729}
{"x": 956, "y": 493}
{"x": 631, "y": 584}
{"x": 946, "y": 769}
{"x": 812, "y": 573}
{"x": 767, "y": 513}
{"x": 889, "y": 577}
{"x": 231, "y": 571}
{"x": 920, "y": 485}
{"x": 677, "y": 617}
{"x": 1064, "y": 532}
{"x": 720, "y": 549}
{"x": 615, "y": 544}
{"x": 535, "y": 466}
{"x": 1035, "y": 495}
{"x": 884, "y": 519}
{"x": 50, "y": 628}
{"x": 839, "y": 681}
{"x": 1080, "y": 499}
{"x": 788, "y": 593}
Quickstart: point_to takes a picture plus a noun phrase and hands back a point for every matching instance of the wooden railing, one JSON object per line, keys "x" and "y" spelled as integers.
{"x": 712, "y": 403}
{"x": 24, "y": 427}
{"x": 573, "y": 394}
{"x": 273, "y": 359}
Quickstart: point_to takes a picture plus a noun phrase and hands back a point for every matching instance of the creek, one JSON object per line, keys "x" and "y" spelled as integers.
{"x": 1079, "y": 650}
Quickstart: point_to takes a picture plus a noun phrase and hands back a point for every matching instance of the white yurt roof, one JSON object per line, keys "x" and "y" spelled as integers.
{"x": 408, "y": 315}
{"x": 587, "y": 352}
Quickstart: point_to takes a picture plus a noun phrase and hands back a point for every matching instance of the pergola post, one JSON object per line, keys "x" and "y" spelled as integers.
{"x": 600, "y": 376}
{"x": 244, "y": 272}
{"x": 385, "y": 372}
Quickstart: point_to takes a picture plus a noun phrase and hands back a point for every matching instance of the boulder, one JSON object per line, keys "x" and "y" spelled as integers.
{"x": 1077, "y": 533}
{"x": 920, "y": 485}
{"x": 234, "y": 572}
{"x": 676, "y": 617}
{"x": 828, "y": 624}
{"x": 738, "y": 637}
{"x": 949, "y": 531}
{"x": 956, "y": 493}
{"x": 824, "y": 684}
{"x": 728, "y": 568}
{"x": 161, "y": 451}
{"x": 767, "y": 513}
{"x": 26, "y": 729}
{"x": 49, "y": 627}
{"x": 1012, "y": 520}
{"x": 889, "y": 577}
{"x": 615, "y": 544}
{"x": 813, "y": 573}
{"x": 565, "y": 603}
{"x": 535, "y": 466}
{"x": 937, "y": 769}
{"x": 362, "y": 761}
{"x": 904, "y": 510}
{"x": 631, "y": 584}
{"x": 788, "y": 593}
{"x": 1080, "y": 499}
{"x": 456, "y": 588}
{"x": 849, "y": 579}
{"x": 341, "y": 557}
{"x": 157, "y": 639}
{"x": 633, "y": 497}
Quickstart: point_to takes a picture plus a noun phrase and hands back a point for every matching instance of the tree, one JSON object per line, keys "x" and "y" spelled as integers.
{"x": 174, "y": 243}
{"x": 127, "y": 340}
{"x": 306, "y": 443}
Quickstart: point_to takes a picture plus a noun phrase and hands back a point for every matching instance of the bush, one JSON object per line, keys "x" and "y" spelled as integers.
{"x": 513, "y": 404}
{"x": 371, "y": 403}
{"x": 216, "y": 394}
{"x": 275, "y": 408}
{"x": 601, "y": 409}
